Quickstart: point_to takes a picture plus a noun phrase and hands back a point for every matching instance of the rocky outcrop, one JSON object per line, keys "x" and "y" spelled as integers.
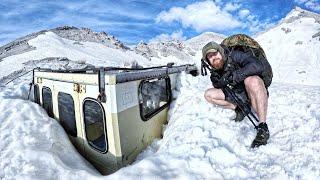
{"x": 87, "y": 35}
{"x": 298, "y": 13}
{"x": 166, "y": 48}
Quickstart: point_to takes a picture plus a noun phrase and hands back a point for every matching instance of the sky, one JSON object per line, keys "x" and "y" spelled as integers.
{"x": 132, "y": 21}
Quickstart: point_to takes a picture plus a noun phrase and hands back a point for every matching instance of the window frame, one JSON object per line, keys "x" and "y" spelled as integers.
{"x": 36, "y": 93}
{"x": 104, "y": 125}
{"x": 155, "y": 112}
{"x": 74, "y": 111}
{"x": 50, "y": 114}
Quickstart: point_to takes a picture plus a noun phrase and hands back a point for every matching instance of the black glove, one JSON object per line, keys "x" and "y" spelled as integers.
{"x": 225, "y": 80}
{"x": 194, "y": 72}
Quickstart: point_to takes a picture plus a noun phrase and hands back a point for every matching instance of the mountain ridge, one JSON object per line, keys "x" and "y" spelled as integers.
{"x": 295, "y": 14}
{"x": 21, "y": 45}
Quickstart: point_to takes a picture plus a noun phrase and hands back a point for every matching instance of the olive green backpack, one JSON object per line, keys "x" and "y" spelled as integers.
{"x": 244, "y": 43}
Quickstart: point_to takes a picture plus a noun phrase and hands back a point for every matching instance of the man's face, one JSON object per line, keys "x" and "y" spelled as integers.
{"x": 215, "y": 59}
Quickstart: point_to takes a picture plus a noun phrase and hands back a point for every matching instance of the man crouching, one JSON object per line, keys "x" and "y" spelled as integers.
{"x": 248, "y": 75}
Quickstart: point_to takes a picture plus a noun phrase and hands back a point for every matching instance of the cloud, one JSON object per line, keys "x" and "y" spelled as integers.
{"x": 201, "y": 16}
{"x": 311, "y": 4}
{"x": 300, "y": 1}
{"x": 244, "y": 13}
{"x": 19, "y": 17}
{"x": 178, "y": 35}
{"x": 255, "y": 26}
{"x": 252, "y": 22}
{"x": 132, "y": 20}
{"x": 115, "y": 9}
{"x": 9, "y": 33}
{"x": 231, "y": 7}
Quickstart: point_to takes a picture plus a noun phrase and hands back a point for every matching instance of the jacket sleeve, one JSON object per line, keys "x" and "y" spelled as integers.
{"x": 215, "y": 81}
{"x": 249, "y": 66}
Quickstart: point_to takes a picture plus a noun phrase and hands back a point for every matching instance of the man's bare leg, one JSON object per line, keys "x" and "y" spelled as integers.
{"x": 216, "y": 96}
{"x": 258, "y": 95}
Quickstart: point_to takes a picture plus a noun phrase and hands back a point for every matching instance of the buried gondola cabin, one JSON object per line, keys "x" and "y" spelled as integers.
{"x": 109, "y": 114}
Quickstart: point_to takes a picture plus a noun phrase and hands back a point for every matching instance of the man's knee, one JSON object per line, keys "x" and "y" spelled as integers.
{"x": 213, "y": 94}
{"x": 254, "y": 83}
{"x": 208, "y": 95}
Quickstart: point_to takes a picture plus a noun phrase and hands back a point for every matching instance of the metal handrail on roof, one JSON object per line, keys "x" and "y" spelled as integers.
{"x": 130, "y": 74}
{"x": 125, "y": 74}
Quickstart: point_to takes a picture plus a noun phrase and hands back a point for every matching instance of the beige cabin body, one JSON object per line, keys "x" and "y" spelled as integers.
{"x": 109, "y": 114}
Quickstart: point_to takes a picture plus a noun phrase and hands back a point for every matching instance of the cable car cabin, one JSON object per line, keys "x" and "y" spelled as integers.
{"x": 109, "y": 114}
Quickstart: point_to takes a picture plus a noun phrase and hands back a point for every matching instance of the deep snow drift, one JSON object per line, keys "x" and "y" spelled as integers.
{"x": 200, "y": 141}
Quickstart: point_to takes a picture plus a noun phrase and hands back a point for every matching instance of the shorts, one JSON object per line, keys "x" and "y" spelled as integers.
{"x": 241, "y": 93}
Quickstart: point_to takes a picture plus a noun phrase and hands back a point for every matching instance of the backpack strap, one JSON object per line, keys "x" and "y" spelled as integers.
{"x": 204, "y": 67}
{"x": 228, "y": 51}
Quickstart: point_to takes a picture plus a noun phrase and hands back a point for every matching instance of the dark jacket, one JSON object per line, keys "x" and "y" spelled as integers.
{"x": 242, "y": 65}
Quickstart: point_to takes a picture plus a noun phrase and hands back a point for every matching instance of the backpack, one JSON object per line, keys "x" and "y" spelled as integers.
{"x": 243, "y": 43}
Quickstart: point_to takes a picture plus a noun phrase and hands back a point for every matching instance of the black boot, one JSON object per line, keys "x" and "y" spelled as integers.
{"x": 262, "y": 136}
{"x": 239, "y": 114}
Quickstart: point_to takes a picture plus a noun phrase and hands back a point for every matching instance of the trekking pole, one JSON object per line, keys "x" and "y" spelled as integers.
{"x": 240, "y": 105}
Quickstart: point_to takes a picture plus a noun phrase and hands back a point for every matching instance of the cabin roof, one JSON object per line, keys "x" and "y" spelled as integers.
{"x": 127, "y": 74}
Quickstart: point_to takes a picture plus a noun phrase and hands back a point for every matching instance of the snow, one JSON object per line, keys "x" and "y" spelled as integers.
{"x": 199, "y": 41}
{"x": 294, "y": 55}
{"x": 200, "y": 140}
{"x": 295, "y": 12}
{"x": 51, "y": 45}
{"x": 32, "y": 144}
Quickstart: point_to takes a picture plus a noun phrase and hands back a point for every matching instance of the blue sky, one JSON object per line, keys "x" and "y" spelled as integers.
{"x": 134, "y": 20}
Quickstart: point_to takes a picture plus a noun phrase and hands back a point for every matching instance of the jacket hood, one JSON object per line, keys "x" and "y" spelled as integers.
{"x": 211, "y": 47}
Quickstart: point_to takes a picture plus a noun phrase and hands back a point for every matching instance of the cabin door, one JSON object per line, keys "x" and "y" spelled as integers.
{"x": 68, "y": 112}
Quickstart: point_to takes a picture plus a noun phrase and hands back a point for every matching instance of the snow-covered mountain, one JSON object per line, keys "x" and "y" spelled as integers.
{"x": 166, "y": 49}
{"x": 68, "y": 44}
{"x": 200, "y": 141}
{"x": 293, "y": 48}
{"x": 82, "y": 48}
{"x": 68, "y": 32}
{"x": 199, "y": 41}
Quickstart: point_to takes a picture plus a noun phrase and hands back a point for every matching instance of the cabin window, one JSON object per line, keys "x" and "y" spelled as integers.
{"x": 95, "y": 125}
{"x": 66, "y": 113}
{"x": 154, "y": 96}
{"x": 36, "y": 94}
{"x": 47, "y": 100}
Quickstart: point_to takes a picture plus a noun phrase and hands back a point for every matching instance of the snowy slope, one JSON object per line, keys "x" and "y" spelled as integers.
{"x": 50, "y": 44}
{"x": 293, "y": 48}
{"x": 199, "y": 41}
{"x": 199, "y": 142}
{"x": 78, "y": 35}
{"x": 166, "y": 50}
